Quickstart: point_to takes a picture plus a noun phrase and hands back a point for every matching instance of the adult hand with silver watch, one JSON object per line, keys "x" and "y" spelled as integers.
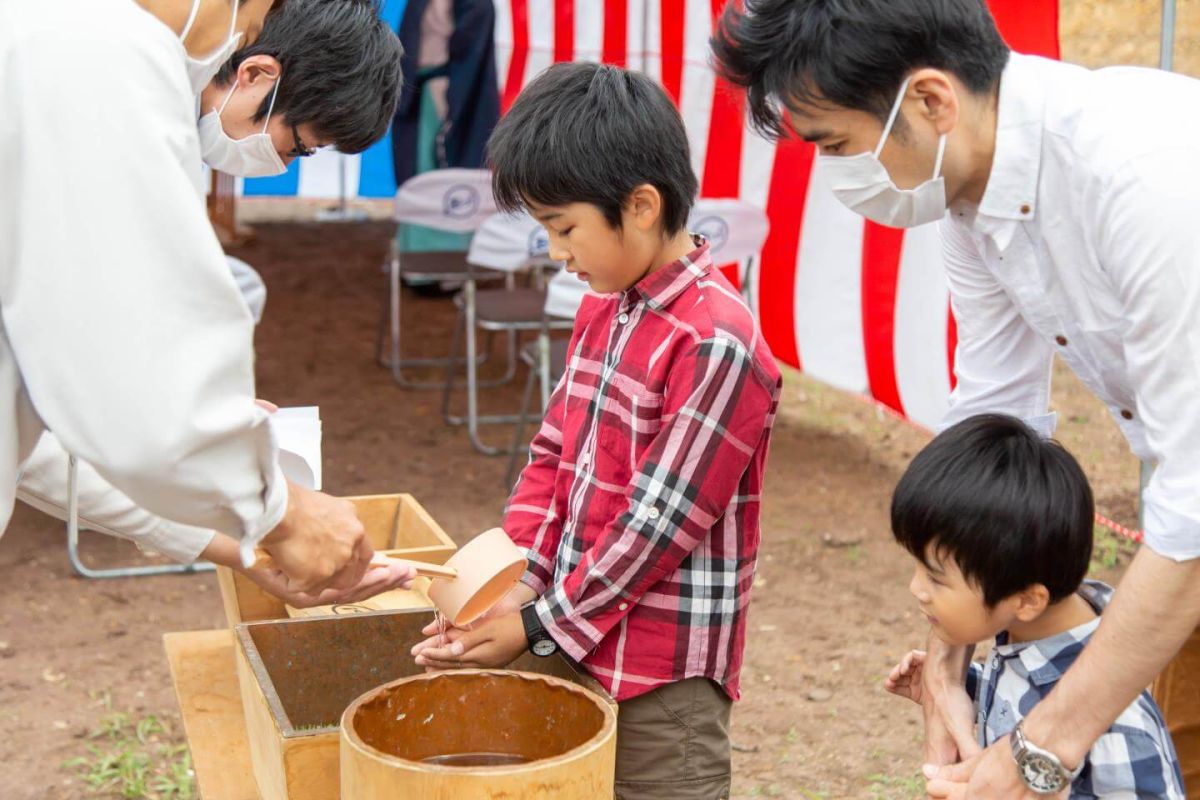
{"x": 1155, "y": 609}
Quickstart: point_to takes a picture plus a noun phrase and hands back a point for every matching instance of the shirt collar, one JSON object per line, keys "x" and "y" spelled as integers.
{"x": 1011, "y": 193}
{"x": 660, "y": 288}
{"x": 1045, "y": 660}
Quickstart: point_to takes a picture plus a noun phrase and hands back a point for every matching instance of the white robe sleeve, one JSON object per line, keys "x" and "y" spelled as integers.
{"x": 101, "y": 507}
{"x": 132, "y": 341}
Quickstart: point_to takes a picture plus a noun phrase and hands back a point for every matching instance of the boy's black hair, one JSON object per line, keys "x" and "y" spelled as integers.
{"x": 339, "y": 69}
{"x": 851, "y": 53}
{"x": 1011, "y": 508}
{"x": 592, "y": 133}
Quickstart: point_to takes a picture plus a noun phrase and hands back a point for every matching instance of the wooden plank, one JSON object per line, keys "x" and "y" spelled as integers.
{"x": 416, "y": 528}
{"x": 202, "y": 670}
{"x": 262, "y": 734}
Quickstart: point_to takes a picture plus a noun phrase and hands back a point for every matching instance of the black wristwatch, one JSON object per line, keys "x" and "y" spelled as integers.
{"x": 540, "y": 643}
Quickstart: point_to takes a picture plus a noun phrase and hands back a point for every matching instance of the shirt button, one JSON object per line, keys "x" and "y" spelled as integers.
{"x": 623, "y": 606}
{"x": 1061, "y": 340}
{"x": 652, "y": 513}
{"x": 624, "y": 318}
{"x": 1025, "y": 209}
{"x": 1126, "y": 413}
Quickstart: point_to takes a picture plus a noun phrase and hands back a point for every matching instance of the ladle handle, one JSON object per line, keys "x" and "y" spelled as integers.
{"x": 422, "y": 568}
{"x": 381, "y": 560}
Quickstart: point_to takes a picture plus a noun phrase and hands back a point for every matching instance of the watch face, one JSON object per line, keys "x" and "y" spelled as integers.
{"x": 544, "y": 647}
{"x": 1041, "y": 774}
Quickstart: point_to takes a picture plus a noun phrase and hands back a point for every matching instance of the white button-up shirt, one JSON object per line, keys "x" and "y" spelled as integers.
{"x": 121, "y": 328}
{"x": 1087, "y": 244}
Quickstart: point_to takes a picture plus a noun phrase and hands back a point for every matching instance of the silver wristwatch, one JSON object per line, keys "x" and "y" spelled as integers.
{"x": 1041, "y": 771}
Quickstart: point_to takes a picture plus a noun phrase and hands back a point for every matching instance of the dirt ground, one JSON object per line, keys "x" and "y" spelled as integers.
{"x": 830, "y": 615}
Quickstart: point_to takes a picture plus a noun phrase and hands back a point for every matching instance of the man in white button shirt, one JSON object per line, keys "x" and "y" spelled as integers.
{"x": 121, "y": 327}
{"x": 1073, "y": 228}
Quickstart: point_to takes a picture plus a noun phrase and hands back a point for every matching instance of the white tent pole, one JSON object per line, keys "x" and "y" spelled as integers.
{"x": 1167, "y": 49}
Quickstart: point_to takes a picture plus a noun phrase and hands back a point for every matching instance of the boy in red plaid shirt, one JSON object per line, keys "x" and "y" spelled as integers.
{"x": 640, "y": 506}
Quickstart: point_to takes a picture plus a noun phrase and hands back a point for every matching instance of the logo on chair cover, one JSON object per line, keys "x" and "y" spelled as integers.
{"x": 460, "y": 201}
{"x": 539, "y": 242}
{"x": 715, "y": 230}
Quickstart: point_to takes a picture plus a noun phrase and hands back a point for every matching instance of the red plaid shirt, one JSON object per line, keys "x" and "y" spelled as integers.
{"x": 639, "y": 509}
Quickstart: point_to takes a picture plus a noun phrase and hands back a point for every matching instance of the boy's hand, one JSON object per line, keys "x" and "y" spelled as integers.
{"x": 494, "y": 643}
{"x": 905, "y": 678}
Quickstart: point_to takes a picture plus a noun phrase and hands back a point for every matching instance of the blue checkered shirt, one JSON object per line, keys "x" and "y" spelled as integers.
{"x": 1134, "y": 759}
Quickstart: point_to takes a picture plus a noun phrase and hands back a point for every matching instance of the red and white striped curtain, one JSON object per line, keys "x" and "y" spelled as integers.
{"x": 856, "y": 305}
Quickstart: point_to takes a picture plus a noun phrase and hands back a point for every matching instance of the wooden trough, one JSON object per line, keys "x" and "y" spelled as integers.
{"x": 298, "y": 676}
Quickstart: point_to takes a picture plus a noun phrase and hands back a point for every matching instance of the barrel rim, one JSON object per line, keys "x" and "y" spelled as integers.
{"x": 350, "y": 737}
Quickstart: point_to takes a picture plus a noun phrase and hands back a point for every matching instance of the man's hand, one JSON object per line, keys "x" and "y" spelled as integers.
{"x": 990, "y": 775}
{"x": 905, "y": 677}
{"x": 949, "y": 713}
{"x": 497, "y": 642}
{"x": 319, "y": 544}
{"x": 396, "y": 575}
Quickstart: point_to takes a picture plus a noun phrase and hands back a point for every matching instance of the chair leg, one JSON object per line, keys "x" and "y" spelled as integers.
{"x": 519, "y": 431}
{"x": 449, "y": 384}
{"x": 113, "y": 572}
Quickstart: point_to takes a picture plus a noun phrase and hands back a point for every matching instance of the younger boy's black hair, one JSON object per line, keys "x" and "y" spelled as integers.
{"x": 852, "y": 53}
{"x": 1011, "y": 508}
{"x": 339, "y": 69}
{"x": 592, "y": 133}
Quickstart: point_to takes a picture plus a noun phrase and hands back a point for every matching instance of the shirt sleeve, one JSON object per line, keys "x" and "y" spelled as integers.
{"x": 717, "y": 408}
{"x": 1150, "y": 243}
{"x": 1001, "y": 364}
{"x": 102, "y": 508}
{"x": 132, "y": 340}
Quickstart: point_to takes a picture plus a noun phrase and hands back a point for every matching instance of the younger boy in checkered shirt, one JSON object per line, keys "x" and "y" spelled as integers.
{"x": 639, "y": 508}
{"x": 1000, "y": 523}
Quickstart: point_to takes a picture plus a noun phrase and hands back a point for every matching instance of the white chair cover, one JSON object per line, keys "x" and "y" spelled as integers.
{"x": 564, "y": 293}
{"x": 509, "y": 242}
{"x": 735, "y": 229}
{"x": 456, "y": 200}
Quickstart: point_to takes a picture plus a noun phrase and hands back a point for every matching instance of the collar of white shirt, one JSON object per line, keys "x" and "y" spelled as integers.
{"x": 1011, "y": 194}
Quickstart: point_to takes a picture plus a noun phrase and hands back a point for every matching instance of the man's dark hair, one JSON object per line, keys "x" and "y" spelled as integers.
{"x": 1011, "y": 508}
{"x": 592, "y": 133}
{"x": 851, "y": 53}
{"x": 339, "y": 69}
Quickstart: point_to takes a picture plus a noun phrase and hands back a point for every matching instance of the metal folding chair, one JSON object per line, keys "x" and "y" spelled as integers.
{"x": 455, "y": 200}
{"x": 509, "y": 243}
{"x": 112, "y": 572}
{"x": 546, "y": 357}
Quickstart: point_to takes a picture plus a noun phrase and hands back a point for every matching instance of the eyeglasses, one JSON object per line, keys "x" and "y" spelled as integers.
{"x": 300, "y": 151}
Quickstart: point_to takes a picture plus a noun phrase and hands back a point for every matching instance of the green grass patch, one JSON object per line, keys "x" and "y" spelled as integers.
{"x": 890, "y": 787}
{"x": 135, "y": 757}
{"x": 1110, "y": 549}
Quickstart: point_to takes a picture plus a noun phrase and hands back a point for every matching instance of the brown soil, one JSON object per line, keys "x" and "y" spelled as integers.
{"x": 831, "y": 612}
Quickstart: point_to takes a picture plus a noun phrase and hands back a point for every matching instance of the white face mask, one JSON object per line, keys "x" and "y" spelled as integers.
{"x": 863, "y": 184}
{"x": 252, "y": 157}
{"x": 202, "y": 70}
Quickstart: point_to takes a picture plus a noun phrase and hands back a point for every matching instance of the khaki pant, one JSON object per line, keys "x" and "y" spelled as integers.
{"x": 673, "y": 743}
{"x": 1177, "y": 692}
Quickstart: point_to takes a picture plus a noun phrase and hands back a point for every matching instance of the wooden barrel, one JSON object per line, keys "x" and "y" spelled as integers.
{"x": 478, "y": 735}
